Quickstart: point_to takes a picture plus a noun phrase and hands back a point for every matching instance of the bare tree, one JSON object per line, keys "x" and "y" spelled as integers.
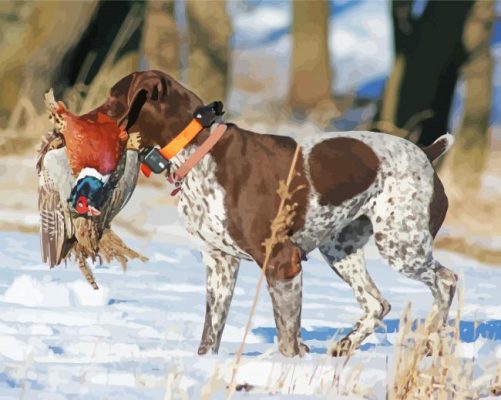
{"x": 209, "y": 30}
{"x": 59, "y": 43}
{"x": 429, "y": 52}
{"x": 470, "y": 151}
{"x": 311, "y": 76}
{"x": 34, "y": 40}
{"x": 161, "y": 37}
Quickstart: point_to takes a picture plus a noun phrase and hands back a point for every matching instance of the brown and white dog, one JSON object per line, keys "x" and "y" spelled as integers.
{"x": 356, "y": 184}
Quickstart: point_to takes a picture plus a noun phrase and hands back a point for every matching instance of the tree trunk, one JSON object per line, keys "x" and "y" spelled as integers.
{"x": 209, "y": 30}
{"x": 33, "y": 45}
{"x": 107, "y": 50}
{"x": 311, "y": 76}
{"x": 471, "y": 148}
{"x": 58, "y": 44}
{"x": 161, "y": 37}
{"x": 429, "y": 52}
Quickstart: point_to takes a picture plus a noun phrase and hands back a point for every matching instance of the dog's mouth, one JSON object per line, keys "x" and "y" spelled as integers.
{"x": 93, "y": 212}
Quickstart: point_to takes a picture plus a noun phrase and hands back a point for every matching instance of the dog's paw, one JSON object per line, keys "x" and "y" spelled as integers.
{"x": 292, "y": 349}
{"x": 342, "y": 348}
{"x": 203, "y": 349}
{"x": 303, "y": 349}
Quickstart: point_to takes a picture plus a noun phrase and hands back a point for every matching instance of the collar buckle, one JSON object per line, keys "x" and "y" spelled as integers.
{"x": 207, "y": 115}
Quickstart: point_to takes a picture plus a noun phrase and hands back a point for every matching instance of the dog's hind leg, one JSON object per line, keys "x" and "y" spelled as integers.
{"x": 222, "y": 271}
{"x": 285, "y": 285}
{"x": 413, "y": 257}
{"x": 404, "y": 233}
{"x": 344, "y": 253}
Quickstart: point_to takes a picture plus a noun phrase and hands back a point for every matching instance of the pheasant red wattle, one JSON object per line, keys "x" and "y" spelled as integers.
{"x": 92, "y": 141}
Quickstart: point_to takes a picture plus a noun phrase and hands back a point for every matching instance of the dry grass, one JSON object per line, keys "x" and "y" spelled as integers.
{"x": 26, "y": 124}
{"x": 279, "y": 226}
{"x": 24, "y": 129}
{"x": 462, "y": 246}
{"x": 428, "y": 365}
{"x": 474, "y": 217}
{"x": 425, "y": 364}
{"x": 478, "y": 211}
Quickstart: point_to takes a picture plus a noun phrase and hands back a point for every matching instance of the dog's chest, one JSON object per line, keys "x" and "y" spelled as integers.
{"x": 201, "y": 205}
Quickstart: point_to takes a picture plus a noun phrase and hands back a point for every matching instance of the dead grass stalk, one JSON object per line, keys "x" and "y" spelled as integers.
{"x": 281, "y": 220}
{"x": 429, "y": 364}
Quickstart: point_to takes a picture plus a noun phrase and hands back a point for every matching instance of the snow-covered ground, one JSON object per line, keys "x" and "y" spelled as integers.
{"x": 136, "y": 338}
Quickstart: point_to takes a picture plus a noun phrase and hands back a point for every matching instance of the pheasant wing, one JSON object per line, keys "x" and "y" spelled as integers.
{"x": 56, "y": 227}
{"x": 129, "y": 170}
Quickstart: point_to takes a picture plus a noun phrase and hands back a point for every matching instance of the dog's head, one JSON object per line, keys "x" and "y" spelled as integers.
{"x": 153, "y": 103}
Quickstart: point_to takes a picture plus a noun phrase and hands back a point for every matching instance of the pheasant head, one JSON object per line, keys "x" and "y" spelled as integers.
{"x": 94, "y": 145}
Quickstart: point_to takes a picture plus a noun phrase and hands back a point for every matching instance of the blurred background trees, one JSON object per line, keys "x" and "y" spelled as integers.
{"x": 93, "y": 43}
{"x": 311, "y": 75}
{"x": 83, "y": 47}
{"x": 413, "y": 68}
{"x": 209, "y": 30}
{"x": 32, "y": 51}
{"x": 429, "y": 52}
{"x": 162, "y": 38}
{"x": 469, "y": 155}
{"x": 432, "y": 50}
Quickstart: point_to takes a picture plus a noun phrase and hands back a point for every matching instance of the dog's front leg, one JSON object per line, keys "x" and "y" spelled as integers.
{"x": 222, "y": 271}
{"x": 285, "y": 285}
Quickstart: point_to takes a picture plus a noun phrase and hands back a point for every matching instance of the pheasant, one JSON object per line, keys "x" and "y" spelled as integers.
{"x": 94, "y": 145}
{"x": 87, "y": 173}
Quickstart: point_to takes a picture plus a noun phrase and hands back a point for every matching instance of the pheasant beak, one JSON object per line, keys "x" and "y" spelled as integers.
{"x": 93, "y": 212}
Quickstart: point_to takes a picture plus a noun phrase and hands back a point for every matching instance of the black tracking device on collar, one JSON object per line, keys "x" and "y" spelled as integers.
{"x": 208, "y": 114}
{"x": 154, "y": 160}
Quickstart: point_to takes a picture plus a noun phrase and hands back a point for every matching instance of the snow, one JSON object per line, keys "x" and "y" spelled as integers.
{"x": 361, "y": 52}
{"x": 86, "y": 296}
{"x": 137, "y": 336}
{"x": 271, "y": 19}
{"x": 29, "y": 292}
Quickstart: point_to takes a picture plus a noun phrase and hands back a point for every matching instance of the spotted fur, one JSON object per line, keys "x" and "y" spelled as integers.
{"x": 222, "y": 270}
{"x": 395, "y": 206}
{"x": 286, "y": 297}
{"x": 349, "y": 186}
{"x": 201, "y": 204}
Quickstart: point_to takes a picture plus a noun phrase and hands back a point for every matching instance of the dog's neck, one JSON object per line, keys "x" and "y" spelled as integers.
{"x": 187, "y": 151}
{"x": 175, "y": 124}
{"x": 177, "y": 116}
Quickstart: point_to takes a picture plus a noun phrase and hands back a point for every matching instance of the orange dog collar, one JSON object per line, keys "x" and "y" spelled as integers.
{"x": 203, "y": 117}
{"x": 177, "y": 144}
{"x": 182, "y": 140}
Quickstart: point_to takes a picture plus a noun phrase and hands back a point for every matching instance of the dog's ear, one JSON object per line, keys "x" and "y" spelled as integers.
{"x": 135, "y": 90}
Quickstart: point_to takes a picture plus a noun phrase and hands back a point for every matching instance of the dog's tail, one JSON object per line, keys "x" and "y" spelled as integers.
{"x": 439, "y": 147}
